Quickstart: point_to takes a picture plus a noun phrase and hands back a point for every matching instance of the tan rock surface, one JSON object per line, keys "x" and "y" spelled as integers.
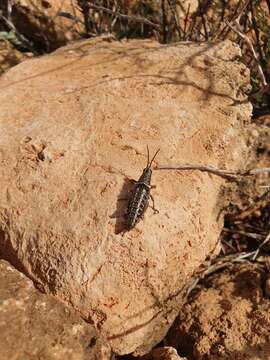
{"x": 37, "y": 326}
{"x": 74, "y": 126}
{"x": 230, "y": 319}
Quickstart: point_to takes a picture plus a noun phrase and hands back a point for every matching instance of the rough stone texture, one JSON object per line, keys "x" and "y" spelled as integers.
{"x": 229, "y": 319}
{"x": 74, "y": 127}
{"x": 37, "y": 326}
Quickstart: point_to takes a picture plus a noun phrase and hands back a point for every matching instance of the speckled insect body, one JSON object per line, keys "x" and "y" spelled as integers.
{"x": 139, "y": 199}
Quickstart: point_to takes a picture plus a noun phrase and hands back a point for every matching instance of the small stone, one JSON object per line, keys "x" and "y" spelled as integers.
{"x": 166, "y": 353}
{"x": 254, "y": 133}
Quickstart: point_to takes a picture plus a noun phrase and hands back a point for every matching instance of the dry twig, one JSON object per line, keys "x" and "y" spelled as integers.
{"x": 176, "y": 18}
{"x": 223, "y": 262}
{"x": 9, "y": 9}
{"x": 266, "y": 240}
{"x": 237, "y": 30}
{"x": 244, "y": 233}
{"x": 230, "y": 174}
{"x": 186, "y": 22}
{"x": 164, "y": 21}
{"x": 127, "y": 17}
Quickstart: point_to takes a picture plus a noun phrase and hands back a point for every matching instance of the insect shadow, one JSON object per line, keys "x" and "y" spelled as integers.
{"x": 120, "y": 213}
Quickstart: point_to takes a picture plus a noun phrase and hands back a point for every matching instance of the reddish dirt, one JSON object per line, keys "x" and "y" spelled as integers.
{"x": 228, "y": 319}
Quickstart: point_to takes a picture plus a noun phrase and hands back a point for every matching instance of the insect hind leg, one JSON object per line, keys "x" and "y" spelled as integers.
{"x": 156, "y": 211}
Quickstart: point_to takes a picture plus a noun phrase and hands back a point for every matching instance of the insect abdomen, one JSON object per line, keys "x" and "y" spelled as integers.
{"x": 137, "y": 205}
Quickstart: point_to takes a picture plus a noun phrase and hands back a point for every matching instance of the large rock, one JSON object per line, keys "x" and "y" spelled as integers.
{"x": 74, "y": 128}
{"x": 37, "y": 326}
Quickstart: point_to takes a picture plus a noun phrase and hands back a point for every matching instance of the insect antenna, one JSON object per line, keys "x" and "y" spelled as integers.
{"x": 148, "y": 162}
{"x": 153, "y": 157}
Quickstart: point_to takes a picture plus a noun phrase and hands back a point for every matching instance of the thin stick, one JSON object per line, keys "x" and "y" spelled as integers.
{"x": 228, "y": 244}
{"x": 266, "y": 240}
{"x": 259, "y": 171}
{"x": 123, "y": 16}
{"x": 257, "y": 33}
{"x": 231, "y": 174}
{"x": 164, "y": 22}
{"x": 245, "y": 233}
{"x": 202, "y": 15}
{"x": 9, "y": 9}
{"x": 225, "y": 261}
{"x": 237, "y": 30}
{"x": 241, "y": 10}
{"x": 185, "y": 22}
{"x": 115, "y": 7}
{"x": 206, "y": 35}
{"x": 176, "y": 19}
{"x": 86, "y": 17}
{"x": 237, "y": 12}
{"x": 221, "y": 263}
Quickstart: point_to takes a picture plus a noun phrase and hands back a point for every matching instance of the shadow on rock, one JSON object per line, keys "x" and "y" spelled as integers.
{"x": 120, "y": 213}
